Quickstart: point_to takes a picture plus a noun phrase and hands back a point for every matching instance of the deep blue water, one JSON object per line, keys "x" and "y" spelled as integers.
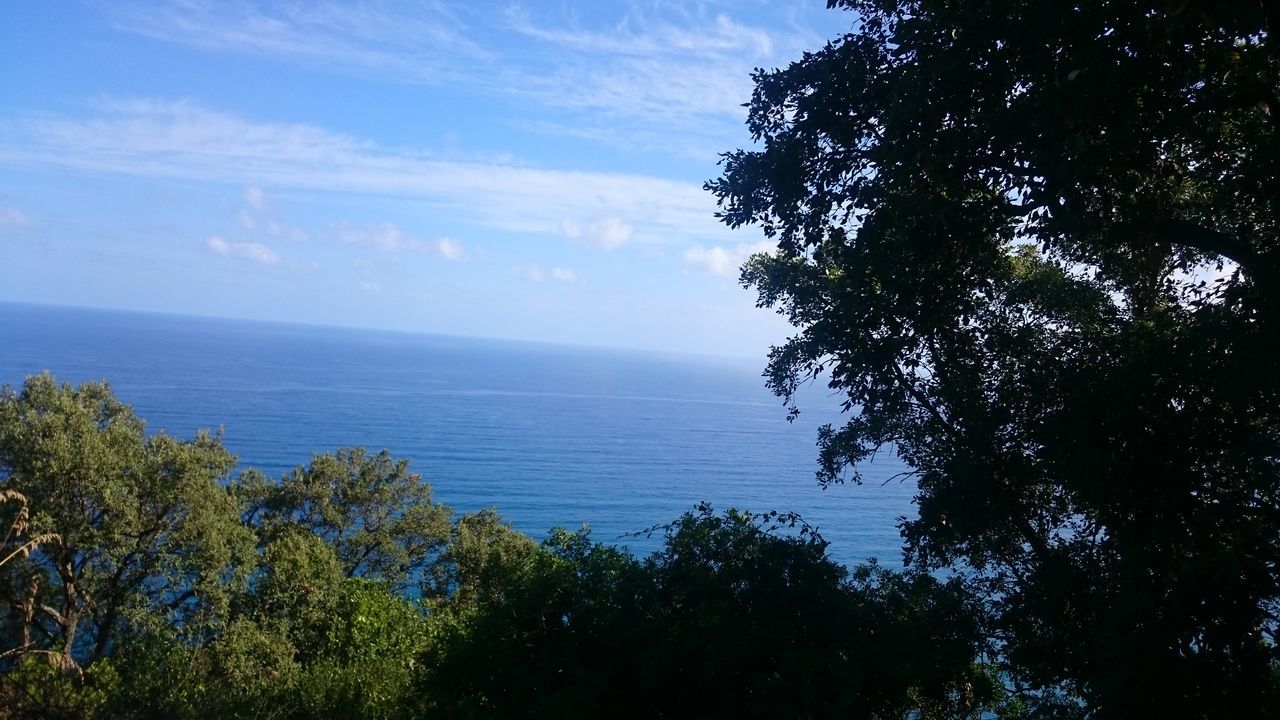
{"x": 550, "y": 435}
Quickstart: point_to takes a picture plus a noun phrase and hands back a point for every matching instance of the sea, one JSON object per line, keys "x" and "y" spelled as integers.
{"x": 549, "y": 435}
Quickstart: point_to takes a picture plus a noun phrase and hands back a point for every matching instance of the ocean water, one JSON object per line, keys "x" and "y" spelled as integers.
{"x": 549, "y": 435}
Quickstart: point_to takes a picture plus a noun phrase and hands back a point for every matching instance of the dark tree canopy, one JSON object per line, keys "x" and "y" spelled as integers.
{"x": 730, "y": 619}
{"x": 1034, "y": 245}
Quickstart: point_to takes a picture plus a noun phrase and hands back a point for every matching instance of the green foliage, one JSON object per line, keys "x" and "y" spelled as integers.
{"x": 526, "y": 632}
{"x": 39, "y": 687}
{"x": 343, "y": 648}
{"x": 473, "y": 566}
{"x": 313, "y": 644}
{"x": 145, "y": 532}
{"x": 298, "y": 583}
{"x": 1034, "y": 247}
{"x": 367, "y": 663}
{"x": 377, "y": 516}
{"x": 161, "y": 678}
{"x": 247, "y": 672}
{"x": 296, "y": 600}
{"x": 731, "y": 619}
{"x": 768, "y": 619}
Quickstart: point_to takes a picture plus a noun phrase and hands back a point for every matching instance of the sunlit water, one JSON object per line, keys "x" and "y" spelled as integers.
{"x": 550, "y": 435}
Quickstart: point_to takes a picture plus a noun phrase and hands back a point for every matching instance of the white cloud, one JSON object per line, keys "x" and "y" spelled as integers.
{"x": 666, "y": 76}
{"x": 385, "y": 237}
{"x": 9, "y": 217}
{"x": 564, "y": 274}
{"x": 533, "y": 273}
{"x": 608, "y": 234}
{"x": 670, "y": 68}
{"x": 255, "y": 198}
{"x": 275, "y": 229}
{"x": 258, "y": 215}
{"x": 183, "y": 140}
{"x": 251, "y": 251}
{"x": 389, "y": 238}
{"x": 407, "y": 40}
{"x": 725, "y": 262}
{"x": 635, "y": 73}
{"x": 450, "y": 249}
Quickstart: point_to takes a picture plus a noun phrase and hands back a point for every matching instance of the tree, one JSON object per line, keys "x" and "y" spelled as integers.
{"x": 145, "y": 532}
{"x": 731, "y": 619}
{"x": 350, "y": 643}
{"x": 367, "y": 663}
{"x": 138, "y": 535}
{"x": 304, "y": 642}
{"x": 376, "y": 515}
{"x": 1035, "y": 248}
{"x": 519, "y": 629}
{"x": 757, "y": 621}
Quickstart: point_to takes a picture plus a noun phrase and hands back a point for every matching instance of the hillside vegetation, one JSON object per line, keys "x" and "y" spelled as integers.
{"x": 149, "y": 582}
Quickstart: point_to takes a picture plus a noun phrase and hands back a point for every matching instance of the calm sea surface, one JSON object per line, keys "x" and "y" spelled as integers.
{"x": 549, "y": 435}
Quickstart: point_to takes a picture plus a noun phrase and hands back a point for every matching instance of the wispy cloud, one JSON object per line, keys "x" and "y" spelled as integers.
{"x": 385, "y": 237}
{"x": 608, "y": 234}
{"x": 255, "y": 198}
{"x": 666, "y": 77}
{"x": 533, "y": 273}
{"x": 450, "y": 249}
{"x": 650, "y": 67}
{"x": 389, "y": 238}
{"x": 258, "y": 215}
{"x": 420, "y": 41}
{"x": 10, "y": 217}
{"x": 643, "y": 35}
{"x": 564, "y": 274}
{"x": 724, "y": 261}
{"x": 187, "y": 141}
{"x": 631, "y": 77}
{"x": 251, "y": 251}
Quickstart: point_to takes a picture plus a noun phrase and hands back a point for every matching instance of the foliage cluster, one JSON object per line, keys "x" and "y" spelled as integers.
{"x": 1033, "y": 246}
{"x": 164, "y": 588}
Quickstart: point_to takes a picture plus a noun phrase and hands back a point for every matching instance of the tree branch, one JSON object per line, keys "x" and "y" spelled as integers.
{"x": 1211, "y": 242}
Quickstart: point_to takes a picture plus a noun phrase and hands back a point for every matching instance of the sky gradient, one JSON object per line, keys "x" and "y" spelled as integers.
{"x": 526, "y": 170}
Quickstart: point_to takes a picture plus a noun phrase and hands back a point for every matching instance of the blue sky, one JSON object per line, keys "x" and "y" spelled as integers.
{"x": 516, "y": 170}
